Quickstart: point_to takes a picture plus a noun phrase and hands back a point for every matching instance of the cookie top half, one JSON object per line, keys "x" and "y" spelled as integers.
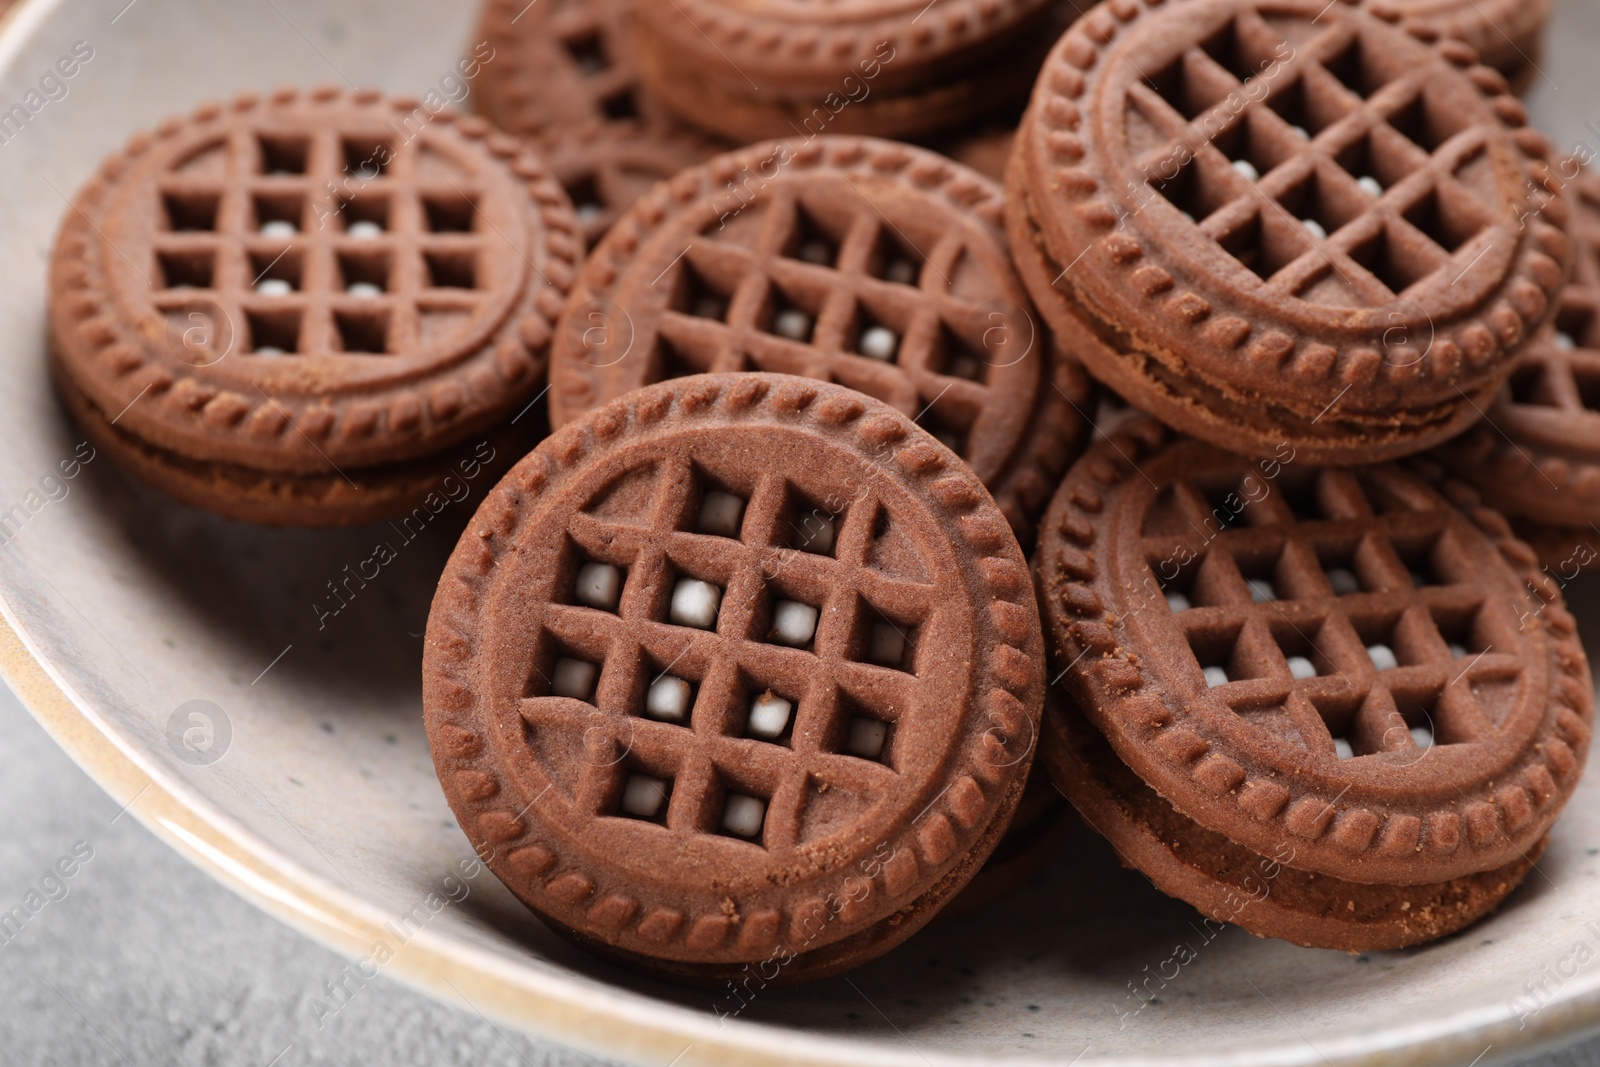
{"x": 725, "y": 654}
{"x": 310, "y": 277}
{"x": 1537, "y": 453}
{"x": 1292, "y": 203}
{"x": 872, "y": 264}
{"x": 1346, "y": 659}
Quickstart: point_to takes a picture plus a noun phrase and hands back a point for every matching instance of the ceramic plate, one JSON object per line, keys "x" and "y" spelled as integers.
{"x": 131, "y": 622}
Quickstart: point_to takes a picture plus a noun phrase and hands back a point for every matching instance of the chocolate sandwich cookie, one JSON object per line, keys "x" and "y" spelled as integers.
{"x": 606, "y": 166}
{"x": 299, "y": 308}
{"x": 888, "y": 68}
{"x": 1357, "y": 676}
{"x": 872, "y": 264}
{"x": 737, "y": 674}
{"x": 1037, "y": 831}
{"x": 1506, "y": 33}
{"x": 1286, "y": 222}
{"x": 559, "y": 63}
{"x": 1536, "y": 455}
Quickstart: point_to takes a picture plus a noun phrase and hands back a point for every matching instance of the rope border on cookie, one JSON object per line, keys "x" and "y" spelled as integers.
{"x": 1520, "y": 304}
{"x": 1081, "y": 621}
{"x": 1007, "y": 690}
{"x": 113, "y": 358}
{"x": 1054, "y": 435}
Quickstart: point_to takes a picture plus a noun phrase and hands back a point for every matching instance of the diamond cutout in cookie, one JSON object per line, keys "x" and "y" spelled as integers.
{"x": 286, "y": 153}
{"x": 186, "y": 269}
{"x": 1450, "y": 218}
{"x": 861, "y": 733}
{"x": 1265, "y": 242}
{"x": 811, "y": 241}
{"x": 695, "y": 603}
{"x": 574, "y": 678}
{"x": 363, "y": 271}
{"x": 1363, "y": 70}
{"x": 599, "y": 586}
{"x": 1190, "y": 86}
{"x": 191, "y": 211}
{"x": 1191, "y": 188}
{"x": 644, "y": 796}
{"x": 273, "y": 333}
{"x": 769, "y": 716}
{"x": 588, "y": 51}
{"x": 793, "y": 624}
{"x": 1395, "y": 262}
{"x": 669, "y": 699}
{"x": 701, "y": 294}
{"x": 721, "y": 514}
{"x": 743, "y": 816}
{"x": 621, "y": 105}
{"x": 1532, "y": 385}
{"x": 275, "y": 214}
{"x": 365, "y": 215}
{"x": 1427, "y": 124}
{"x": 366, "y": 158}
{"x": 362, "y": 332}
{"x": 449, "y": 212}
{"x": 808, "y": 526}
{"x": 453, "y": 269}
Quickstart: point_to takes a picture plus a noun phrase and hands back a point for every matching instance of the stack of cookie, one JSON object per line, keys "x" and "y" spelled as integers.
{"x": 562, "y": 74}
{"x": 891, "y": 68}
{"x": 740, "y": 674}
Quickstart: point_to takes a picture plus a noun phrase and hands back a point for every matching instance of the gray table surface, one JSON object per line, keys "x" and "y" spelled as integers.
{"x": 145, "y": 960}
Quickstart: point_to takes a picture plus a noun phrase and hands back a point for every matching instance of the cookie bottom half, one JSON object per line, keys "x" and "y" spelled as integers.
{"x": 1232, "y": 884}
{"x": 790, "y": 965}
{"x": 348, "y": 498}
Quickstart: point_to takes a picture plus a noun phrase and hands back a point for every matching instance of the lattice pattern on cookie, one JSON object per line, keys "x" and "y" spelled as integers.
{"x": 326, "y": 242}
{"x": 1317, "y": 159}
{"x": 568, "y": 61}
{"x": 835, "y": 290}
{"x": 1333, "y": 612}
{"x": 758, "y": 647}
{"x": 606, "y": 167}
{"x": 396, "y": 261}
{"x": 1554, "y": 395}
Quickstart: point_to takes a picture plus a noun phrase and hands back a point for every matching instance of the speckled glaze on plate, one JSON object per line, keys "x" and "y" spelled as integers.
{"x": 120, "y": 607}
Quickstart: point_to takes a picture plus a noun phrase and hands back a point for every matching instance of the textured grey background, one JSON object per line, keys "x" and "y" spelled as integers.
{"x": 147, "y": 961}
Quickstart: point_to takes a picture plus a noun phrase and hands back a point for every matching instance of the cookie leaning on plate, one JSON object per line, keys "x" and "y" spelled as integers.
{"x": 735, "y": 672}
{"x": 1279, "y": 668}
{"x": 1285, "y": 221}
{"x": 873, "y": 264}
{"x": 297, "y": 308}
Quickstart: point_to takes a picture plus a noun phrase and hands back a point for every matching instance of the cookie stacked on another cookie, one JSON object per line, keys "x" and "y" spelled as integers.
{"x": 889, "y": 68}
{"x": 562, "y": 74}
{"x": 1536, "y": 455}
{"x": 1506, "y": 33}
{"x": 736, "y": 675}
{"x": 1286, "y": 222}
{"x": 875, "y": 265}
{"x": 308, "y": 308}
{"x": 1340, "y": 707}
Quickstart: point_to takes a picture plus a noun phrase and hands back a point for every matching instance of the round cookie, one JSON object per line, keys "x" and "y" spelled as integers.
{"x": 1037, "y": 831}
{"x": 876, "y": 265}
{"x": 606, "y": 166}
{"x": 1344, "y": 660}
{"x": 754, "y": 69}
{"x": 1506, "y": 33}
{"x": 1285, "y": 222}
{"x": 558, "y": 63}
{"x": 1536, "y": 454}
{"x": 1259, "y": 893}
{"x": 736, "y": 672}
{"x": 299, "y": 308}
